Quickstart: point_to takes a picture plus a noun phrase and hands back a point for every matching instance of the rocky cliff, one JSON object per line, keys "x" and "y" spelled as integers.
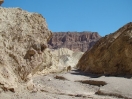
{"x": 76, "y": 41}
{"x": 111, "y": 55}
{"x": 23, "y": 46}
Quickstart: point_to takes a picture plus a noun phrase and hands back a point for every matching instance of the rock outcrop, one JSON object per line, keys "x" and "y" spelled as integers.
{"x": 76, "y": 41}
{"x": 66, "y": 57}
{"x": 111, "y": 55}
{"x": 23, "y": 42}
{"x": 1, "y": 1}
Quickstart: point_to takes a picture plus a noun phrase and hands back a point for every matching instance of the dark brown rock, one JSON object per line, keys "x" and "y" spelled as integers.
{"x": 1, "y": 1}
{"x": 76, "y": 41}
{"x": 111, "y": 55}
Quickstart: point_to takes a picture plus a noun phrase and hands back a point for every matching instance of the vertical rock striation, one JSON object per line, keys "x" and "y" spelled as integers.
{"x": 76, "y": 41}
{"x": 111, "y": 55}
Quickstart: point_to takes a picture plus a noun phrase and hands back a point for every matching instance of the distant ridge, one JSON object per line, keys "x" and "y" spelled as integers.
{"x": 76, "y": 41}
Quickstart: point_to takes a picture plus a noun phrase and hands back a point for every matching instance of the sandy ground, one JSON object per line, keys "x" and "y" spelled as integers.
{"x": 48, "y": 87}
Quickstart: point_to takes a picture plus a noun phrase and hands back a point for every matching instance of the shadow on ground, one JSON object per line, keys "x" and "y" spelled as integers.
{"x": 78, "y": 72}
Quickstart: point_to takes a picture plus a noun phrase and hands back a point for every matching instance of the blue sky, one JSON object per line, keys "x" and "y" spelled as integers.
{"x": 102, "y": 16}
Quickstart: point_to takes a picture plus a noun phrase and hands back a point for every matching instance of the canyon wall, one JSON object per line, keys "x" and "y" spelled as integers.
{"x": 23, "y": 49}
{"x": 111, "y": 55}
{"x": 75, "y": 41}
{"x": 23, "y": 46}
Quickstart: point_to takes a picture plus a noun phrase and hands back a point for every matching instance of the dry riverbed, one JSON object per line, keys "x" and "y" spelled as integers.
{"x": 74, "y": 85}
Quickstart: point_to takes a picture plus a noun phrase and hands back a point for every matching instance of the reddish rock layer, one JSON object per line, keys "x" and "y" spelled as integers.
{"x": 76, "y": 41}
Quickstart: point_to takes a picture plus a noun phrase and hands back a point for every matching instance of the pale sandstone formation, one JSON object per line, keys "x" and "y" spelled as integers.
{"x": 23, "y": 42}
{"x": 76, "y": 41}
{"x": 1, "y": 1}
{"x": 111, "y": 55}
{"x": 66, "y": 57}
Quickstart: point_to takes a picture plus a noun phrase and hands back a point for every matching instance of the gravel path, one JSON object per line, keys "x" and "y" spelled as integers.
{"x": 69, "y": 88}
{"x": 66, "y": 86}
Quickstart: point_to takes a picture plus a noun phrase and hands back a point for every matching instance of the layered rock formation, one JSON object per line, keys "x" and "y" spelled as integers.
{"x": 23, "y": 42}
{"x": 76, "y": 41}
{"x": 66, "y": 57}
{"x": 111, "y": 55}
{"x": 1, "y": 1}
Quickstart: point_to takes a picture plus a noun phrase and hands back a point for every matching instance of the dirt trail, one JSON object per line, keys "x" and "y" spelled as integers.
{"x": 66, "y": 85}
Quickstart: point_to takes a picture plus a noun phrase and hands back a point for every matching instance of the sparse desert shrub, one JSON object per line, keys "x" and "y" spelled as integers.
{"x": 69, "y": 68}
{"x": 66, "y": 69}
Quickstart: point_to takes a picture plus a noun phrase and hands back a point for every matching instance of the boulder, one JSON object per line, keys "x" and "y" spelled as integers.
{"x": 111, "y": 55}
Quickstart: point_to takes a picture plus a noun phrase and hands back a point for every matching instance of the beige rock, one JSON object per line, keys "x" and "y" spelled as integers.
{"x": 66, "y": 57}
{"x": 30, "y": 85}
{"x": 111, "y": 55}
{"x": 48, "y": 64}
{"x": 23, "y": 40}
